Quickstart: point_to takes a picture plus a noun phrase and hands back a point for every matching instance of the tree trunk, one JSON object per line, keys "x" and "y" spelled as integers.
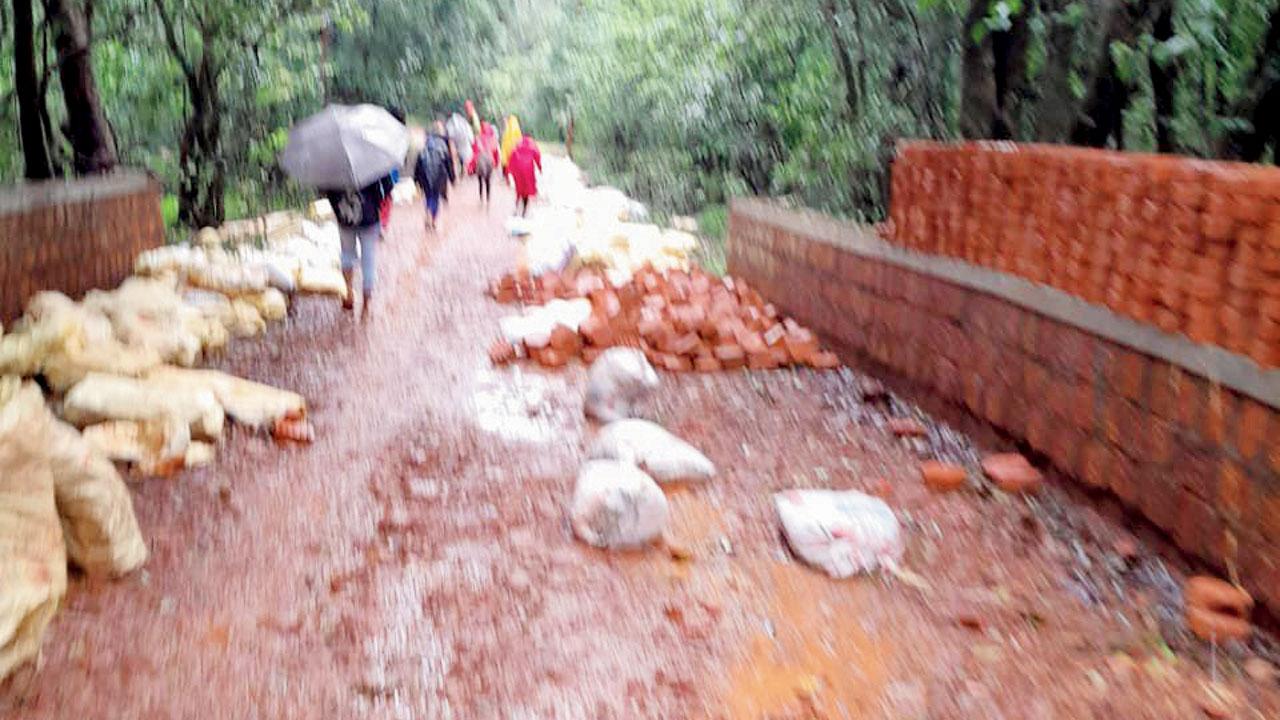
{"x": 90, "y": 135}
{"x": 978, "y": 91}
{"x": 1262, "y": 104}
{"x": 568, "y": 137}
{"x": 200, "y": 194}
{"x": 1163, "y": 80}
{"x": 851, "y": 91}
{"x": 1009, "y": 71}
{"x": 1103, "y": 119}
{"x": 35, "y": 152}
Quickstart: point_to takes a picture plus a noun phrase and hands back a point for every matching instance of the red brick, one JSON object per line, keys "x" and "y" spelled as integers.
{"x": 1234, "y": 492}
{"x": 1126, "y": 374}
{"x": 1251, "y": 433}
{"x": 1095, "y": 464}
{"x": 1217, "y": 411}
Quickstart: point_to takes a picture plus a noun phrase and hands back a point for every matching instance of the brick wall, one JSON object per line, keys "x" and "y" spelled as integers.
{"x": 1183, "y": 433}
{"x": 73, "y": 236}
{"x": 1190, "y": 246}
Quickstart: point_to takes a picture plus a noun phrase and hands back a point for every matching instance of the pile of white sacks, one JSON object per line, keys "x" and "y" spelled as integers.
{"x": 617, "y": 502}
{"x": 596, "y": 226}
{"x": 119, "y": 367}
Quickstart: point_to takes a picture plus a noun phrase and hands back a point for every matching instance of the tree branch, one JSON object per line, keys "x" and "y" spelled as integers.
{"x": 171, "y": 38}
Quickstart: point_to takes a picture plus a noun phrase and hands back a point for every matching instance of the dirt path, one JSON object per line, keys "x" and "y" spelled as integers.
{"x": 416, "y": 561}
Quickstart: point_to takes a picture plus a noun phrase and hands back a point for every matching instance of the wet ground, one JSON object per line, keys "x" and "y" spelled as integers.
{"x": 416, "y": 562}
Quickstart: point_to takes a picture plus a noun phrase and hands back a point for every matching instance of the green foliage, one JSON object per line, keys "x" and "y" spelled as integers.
{"x": 683, "y": 103}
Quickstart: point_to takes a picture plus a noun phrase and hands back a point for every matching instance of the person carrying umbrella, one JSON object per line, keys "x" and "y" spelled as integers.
{"x": 351, "y": 155}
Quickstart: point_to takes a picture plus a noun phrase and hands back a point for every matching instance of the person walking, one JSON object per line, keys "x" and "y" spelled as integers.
{"x": 358, "y": 213}
{"x": 462, "y": 138}
{"x": 434, "y": 172}
{"x": 523, "y": 167}
{"x": 510, "y": 139}
{"x": 485, "y": 155}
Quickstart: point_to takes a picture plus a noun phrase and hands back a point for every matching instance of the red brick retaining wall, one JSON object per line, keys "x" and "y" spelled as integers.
{"x": 1185, "y": 434}
{"x": 73, "y": 236}
{"x": 1190, "y": 246}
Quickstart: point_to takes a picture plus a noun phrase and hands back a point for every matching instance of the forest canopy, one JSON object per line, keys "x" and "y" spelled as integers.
{"x": 681, "y": 102}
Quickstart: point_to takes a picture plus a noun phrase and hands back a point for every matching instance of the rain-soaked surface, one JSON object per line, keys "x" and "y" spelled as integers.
{"x": 416, "y": 562}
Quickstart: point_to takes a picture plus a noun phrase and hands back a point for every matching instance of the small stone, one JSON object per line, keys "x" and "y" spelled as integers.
{"x": 519, "y": 580}
{"x": 906, "y": 427}
{"x": 1012, "y": 473}
{"x": 942, "y": 477}
{"x": 1126, "y": 547}
{"x": 988, "y": 653}
{"x": 1260, "y": 670}
{"x": 1217, "y": 701}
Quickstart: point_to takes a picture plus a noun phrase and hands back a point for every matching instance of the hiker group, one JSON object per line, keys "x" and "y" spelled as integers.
{"x": 437, "y": 159}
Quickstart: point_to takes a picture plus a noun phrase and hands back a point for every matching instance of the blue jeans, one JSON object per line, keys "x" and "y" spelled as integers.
{"x": 367, "y": 238}
{"x": 433, "y": 204}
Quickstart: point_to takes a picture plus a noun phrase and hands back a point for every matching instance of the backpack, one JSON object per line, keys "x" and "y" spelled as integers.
{"x": 349, "y": 209}
{"x": 434, "y": 164}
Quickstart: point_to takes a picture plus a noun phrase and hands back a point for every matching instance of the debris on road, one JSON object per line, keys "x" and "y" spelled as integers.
{"x": 650, "y": 447}
{"x": 1216, "y": 610}
{"x": 1012, "y": 473}
{"x": 841, "y": 533}
{"x": 617, "y": 380}
{"x": 942, "y": 477}
{"x": 681, "y": 320}
{"x": 616, "y": 506}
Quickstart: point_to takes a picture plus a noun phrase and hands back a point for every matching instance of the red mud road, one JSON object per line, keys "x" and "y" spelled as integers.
{"x": 416, "y": 562}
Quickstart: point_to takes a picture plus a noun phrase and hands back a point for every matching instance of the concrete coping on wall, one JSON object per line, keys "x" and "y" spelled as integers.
{"x": 1210, "y": 362}
{"x": 28, "y": 196}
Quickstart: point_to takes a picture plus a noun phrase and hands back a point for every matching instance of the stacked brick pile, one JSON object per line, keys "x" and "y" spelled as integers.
{"x": 1189, "y": 246}
{"x": 684, "y": 321}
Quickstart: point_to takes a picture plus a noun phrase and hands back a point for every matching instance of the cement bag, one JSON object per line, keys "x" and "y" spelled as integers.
{"x": 98, "y": 524}
{"x": 616, "y": 506}
{"x": 33, "y": 561}
{"x": 229, "y": 278}
{"x": 99, "y": 398}
{"x": 270, "y": 304}
{"x": 155, "y": 448}
{"x": 841, "y": 533}
{"x": 322, "y": 281}
{"x": 648, "y": 446}
{"x": 617, "y": 381}
{"x": 248, "y": 403}
{"x": 149, "y": 313}
{"x": 178, "y": 260}
{"x": 248, "y": 321}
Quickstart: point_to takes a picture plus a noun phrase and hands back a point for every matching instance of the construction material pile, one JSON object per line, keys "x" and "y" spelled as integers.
{"x": 119, "y": 365}
{"x": 683, "y": 321}
{"x": 306, "y": 261}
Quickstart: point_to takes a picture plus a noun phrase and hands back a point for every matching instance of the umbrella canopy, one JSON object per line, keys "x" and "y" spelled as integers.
{"x": 345, "y": 147}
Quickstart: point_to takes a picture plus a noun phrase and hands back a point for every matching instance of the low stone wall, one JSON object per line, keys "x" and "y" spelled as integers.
{"x": 74, "y": 236}
{"x": 1185, "y": 434}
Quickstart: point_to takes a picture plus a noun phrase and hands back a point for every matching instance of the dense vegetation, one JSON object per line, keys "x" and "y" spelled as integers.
{"x": 683, "y": 102}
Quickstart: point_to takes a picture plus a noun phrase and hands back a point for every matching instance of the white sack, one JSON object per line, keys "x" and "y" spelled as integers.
{"x": 99, "y": 398}
{"x": 651, "y": 448}
{"x": 616, "y": 506}
{"x": 619, "y": 379}
{"x": 842, "y": 533}
{"x": 248, "y": 403}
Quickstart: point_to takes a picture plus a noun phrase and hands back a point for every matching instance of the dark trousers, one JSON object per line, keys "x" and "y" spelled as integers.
{"x": 485, "y": 181}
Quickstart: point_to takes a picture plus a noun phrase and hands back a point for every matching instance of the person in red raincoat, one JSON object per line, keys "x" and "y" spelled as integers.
{"x": 484, "y": 158}
{"x": 523, "y": 167}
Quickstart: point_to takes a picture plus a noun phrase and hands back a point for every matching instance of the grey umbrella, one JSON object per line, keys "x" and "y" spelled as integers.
{"x": 345, "y": 147}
